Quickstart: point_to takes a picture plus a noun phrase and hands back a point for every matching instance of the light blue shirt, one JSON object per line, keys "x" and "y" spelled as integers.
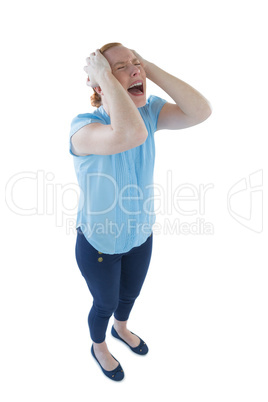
{"x": 116, "y": 203}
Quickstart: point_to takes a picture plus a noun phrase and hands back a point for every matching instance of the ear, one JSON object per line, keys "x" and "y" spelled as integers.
{"x": 98, "y": 90}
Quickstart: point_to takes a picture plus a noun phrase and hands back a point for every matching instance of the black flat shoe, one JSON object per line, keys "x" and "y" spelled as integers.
{"x": 142, "y": 349}
{"x": 116, "y": 375}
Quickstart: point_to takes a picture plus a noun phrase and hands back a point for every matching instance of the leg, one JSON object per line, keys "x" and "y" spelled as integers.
{"x": 135, "y": 266}
{"x": 102, "y": 275}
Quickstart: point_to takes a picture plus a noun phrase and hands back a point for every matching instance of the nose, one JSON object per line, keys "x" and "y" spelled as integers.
{"x": 134, "y": 71}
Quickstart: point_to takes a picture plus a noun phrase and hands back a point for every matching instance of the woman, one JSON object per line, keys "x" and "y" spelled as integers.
{"x": 114, "y": 150}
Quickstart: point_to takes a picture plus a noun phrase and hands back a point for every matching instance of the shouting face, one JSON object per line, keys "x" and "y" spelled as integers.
{"x": 129, "y": 72}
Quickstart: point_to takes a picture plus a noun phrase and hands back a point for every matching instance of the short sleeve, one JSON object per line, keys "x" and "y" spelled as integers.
{"x": 80, "y": 121}
{"x": 155, "y": 106}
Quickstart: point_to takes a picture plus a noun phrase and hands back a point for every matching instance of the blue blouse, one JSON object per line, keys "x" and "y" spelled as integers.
{"x": 116, "y": 203}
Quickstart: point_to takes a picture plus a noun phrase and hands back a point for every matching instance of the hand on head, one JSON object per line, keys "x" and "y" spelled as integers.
{"x": 141, "y": 59}
{"x": 97, "y": 64}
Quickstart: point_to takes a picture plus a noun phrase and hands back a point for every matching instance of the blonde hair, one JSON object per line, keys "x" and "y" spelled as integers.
{"x": 96, "y": 98}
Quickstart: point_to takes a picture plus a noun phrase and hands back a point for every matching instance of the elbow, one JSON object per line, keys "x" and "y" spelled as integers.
{"x": 138, "y": 135}
{"x": 209, "y": 109}
{"x": 131, "y": 139}
{"x": 142, "y": 136}
{"x": 138, "y": 132}
{"x": 205, "y": 113}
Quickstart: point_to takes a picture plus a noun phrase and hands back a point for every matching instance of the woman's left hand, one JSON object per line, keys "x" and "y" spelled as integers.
{"x": 144, "y": 63}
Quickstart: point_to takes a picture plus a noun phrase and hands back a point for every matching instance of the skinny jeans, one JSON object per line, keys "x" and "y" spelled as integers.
{"x": 114, "y": 281}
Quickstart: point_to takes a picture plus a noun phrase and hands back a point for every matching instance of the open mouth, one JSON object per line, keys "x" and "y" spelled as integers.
{"x": 136, "y": 89}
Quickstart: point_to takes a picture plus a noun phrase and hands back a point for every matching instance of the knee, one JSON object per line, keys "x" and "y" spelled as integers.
{"x": 105, "y": 310}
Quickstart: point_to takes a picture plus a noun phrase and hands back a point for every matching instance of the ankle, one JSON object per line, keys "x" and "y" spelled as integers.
{"x": 100, "y": 347}
{"x": 120, "y": 326}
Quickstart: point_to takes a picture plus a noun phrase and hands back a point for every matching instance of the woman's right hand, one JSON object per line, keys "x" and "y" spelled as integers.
{"x": 97, "y": 64}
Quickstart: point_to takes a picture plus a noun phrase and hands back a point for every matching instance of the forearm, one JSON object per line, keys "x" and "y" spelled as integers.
{"x": 124, "y": 115}
{"x": 189, "y": 100}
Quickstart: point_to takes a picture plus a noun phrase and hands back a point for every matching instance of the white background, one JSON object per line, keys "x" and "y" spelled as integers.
{"x": 203, "y": 307}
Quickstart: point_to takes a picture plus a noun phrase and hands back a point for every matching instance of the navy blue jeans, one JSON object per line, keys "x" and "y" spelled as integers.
{"x": 114, "y": 281}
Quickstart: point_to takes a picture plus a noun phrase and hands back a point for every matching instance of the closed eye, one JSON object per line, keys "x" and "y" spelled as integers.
{"x": 120, "y": 68}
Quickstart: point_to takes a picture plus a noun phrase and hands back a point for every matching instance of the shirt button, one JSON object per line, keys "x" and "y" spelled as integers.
{"x": 99, "y": 252}
{"x": 100, "y": 259}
